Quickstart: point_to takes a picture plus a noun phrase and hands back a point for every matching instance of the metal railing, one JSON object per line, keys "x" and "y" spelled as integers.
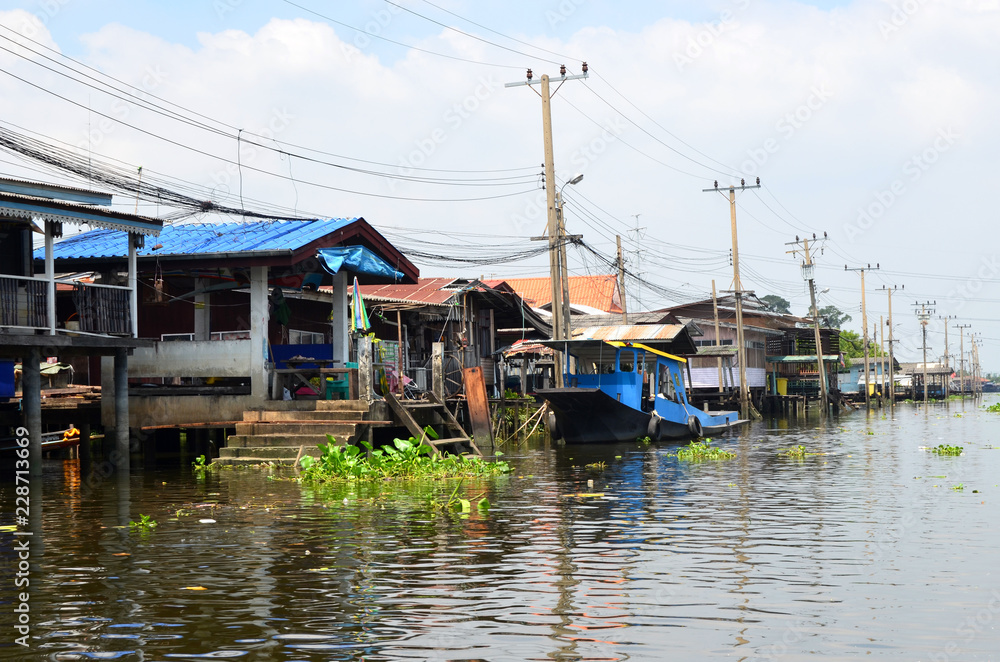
{"x": 23, "y": 302}
{"x": 103, "y": 309}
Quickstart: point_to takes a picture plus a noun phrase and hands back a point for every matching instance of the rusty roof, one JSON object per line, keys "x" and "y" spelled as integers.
{"x": 598, "y": 292}
{"x": 631, "y": 332}
{"x": 424, "y": 291}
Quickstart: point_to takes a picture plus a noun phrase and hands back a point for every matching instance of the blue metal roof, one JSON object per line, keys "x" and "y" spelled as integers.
{"x": 201, "y": 239}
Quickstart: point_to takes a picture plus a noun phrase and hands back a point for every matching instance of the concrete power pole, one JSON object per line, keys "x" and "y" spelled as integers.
{"x": 925, "y": 315}
{"x": 808, "y": 273}
{"x": 864, "y": 324}
{"x": 738, "y": 292}
{"x": 559, "y": 324}
{"x": 961, "y": 353}
{"x": 892, "y": 358}
{"x": 621, "y": 279}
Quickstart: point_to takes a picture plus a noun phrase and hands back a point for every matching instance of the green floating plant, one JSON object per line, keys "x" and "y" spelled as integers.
{"x": 698, "y": 451}
{"x": 942, "y": 449}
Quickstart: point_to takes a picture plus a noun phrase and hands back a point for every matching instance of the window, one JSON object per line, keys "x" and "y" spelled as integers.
{"x": 711, "y": 343}
{"x": 626, "y": 361}
{"x": 296, "y": 337}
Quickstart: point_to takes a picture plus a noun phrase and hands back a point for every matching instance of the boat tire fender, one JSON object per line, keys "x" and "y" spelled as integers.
{"x": 553, "y": 425}
{"x": 655, "y": 427}
{"x": 694, "y": 426}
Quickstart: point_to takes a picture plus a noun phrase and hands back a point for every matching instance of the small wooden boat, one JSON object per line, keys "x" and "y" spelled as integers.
{"x": 617, "y": 391}
{"x": 51, "y": 441}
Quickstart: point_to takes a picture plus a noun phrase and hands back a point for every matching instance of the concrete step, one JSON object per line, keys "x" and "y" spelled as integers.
{"x": 253, "y": 461}
{"x": 317, "y": 428}
{"x": 314, "y": 405}
{"x": 304, "y": 415}
{"x": 273, "y": 452}
{"x": 269, "y": 440}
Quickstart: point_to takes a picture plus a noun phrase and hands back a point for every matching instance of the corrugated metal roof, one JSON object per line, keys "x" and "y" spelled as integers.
{"x": 201, "y": 239}
{"x": 630, "y": 332}
{"x": 21, "y": 186}
{"x": 599, "y": 292}
{"x": 425, "y": 291}
{"x": 31, "y": 207}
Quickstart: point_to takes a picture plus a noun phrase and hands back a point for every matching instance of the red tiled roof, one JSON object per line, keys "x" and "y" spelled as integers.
{"x": 600, "y": 292}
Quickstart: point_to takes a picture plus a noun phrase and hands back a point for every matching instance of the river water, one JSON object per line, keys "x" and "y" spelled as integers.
{"x": 871, "y": 548}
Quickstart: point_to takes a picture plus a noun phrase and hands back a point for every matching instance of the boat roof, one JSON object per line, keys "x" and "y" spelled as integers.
{"x": 591, "y": 347}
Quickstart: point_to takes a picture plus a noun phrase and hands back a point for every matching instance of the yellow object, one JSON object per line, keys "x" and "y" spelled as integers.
{"x": 639, "y": 345}
{"x": 871, "y": 389}
{"x": 782, "y": 386}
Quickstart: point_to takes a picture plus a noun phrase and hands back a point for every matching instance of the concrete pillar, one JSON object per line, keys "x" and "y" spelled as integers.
{"x": 121, "y": 410}
{"x": 340, "y": 318}
{"x": 365, "y": 369}
{"x": 134, "y": 240}
{"x": 202, "y": 312}
{"x": 437, "y": 369}
{"x": 31, "y": 399}
{"x": 258, "y": 332}
{"x": 50, "y": 279}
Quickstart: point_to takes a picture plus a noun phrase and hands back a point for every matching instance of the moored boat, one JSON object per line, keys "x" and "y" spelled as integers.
{"x": 620, "y": 391}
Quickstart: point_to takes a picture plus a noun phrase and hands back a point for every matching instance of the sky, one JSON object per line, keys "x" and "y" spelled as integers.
{"x": 872, "y": 122}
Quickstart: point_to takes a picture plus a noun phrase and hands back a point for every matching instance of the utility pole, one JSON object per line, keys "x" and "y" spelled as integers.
{"x": 947, "y": 364}
{"x": 961, "y": 352}
{"x": 881, "y": 358}
{"x": 738, "y": 292}
{"x": 892, "y": 358}
{"x": 924, "y": 314}
{"x": 555, "y": 235}
{"x": 808, "y": 273}
{"x": 621, "y": 279}
{"x": 864, "y": 323}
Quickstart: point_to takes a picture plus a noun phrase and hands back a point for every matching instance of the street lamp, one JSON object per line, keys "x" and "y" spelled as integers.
{"x": 564, "y": 270}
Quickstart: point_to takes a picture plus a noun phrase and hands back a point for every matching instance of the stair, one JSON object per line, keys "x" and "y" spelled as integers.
{"x": 415, "y": 416}
{"x": 276, "y": 433}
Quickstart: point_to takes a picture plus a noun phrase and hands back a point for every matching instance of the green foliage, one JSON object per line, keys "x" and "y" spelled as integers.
{"x": 776, "y": 304}
{"x": 832, "y": 317}
{"x": 200, "y": 466}
{"x": 405, "y": 458}
{"x": 852, "y": 346}
{"x": 697, "y": 451}
{"x": 596, "y": 466}
{"x": 644, "y": 440}
{"x": 942, "y": 449}
{"x": 995, "y": 408}
{"x": 146, "y": 523}
{"x": 796, "y": 452}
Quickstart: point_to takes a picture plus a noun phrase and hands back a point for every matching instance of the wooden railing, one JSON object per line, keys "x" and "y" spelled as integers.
{"x": 103, "y": 309}
{"x": 23, "y": 302}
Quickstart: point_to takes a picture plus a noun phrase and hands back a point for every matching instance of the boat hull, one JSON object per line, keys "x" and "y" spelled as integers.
{"x": 590, "y": 416}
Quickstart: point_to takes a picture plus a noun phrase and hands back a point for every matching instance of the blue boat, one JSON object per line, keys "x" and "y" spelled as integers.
{"x": 621, "y": 391}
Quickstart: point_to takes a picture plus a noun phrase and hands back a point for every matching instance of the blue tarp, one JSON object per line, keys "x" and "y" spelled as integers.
{"x": 358, "y": 260}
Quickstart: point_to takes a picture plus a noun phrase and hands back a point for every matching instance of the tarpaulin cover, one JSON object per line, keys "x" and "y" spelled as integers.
{"x": 357, "y": 259}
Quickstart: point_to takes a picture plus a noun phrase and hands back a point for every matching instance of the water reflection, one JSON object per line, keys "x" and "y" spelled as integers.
{"x": 866, "y": 546}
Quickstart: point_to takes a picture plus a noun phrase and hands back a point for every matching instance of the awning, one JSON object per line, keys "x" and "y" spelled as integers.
{"x": 358, "y": 260}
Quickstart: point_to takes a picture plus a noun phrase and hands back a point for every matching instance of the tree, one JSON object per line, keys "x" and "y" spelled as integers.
{"x": 776, "y": 304}
{"x": 832, "y": 317}
{"x": 852, "y": 346}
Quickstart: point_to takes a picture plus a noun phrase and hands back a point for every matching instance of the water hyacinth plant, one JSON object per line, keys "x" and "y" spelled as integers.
{"x": 698, "y": 451}
{"x": 405, "y": 458}
{"x": 942, "y": 449}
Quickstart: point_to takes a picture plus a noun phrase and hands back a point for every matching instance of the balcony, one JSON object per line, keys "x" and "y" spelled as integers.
{"x": 103, "y": 310}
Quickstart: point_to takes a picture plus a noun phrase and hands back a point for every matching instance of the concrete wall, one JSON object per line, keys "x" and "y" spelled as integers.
{"x": 179, "y": 409}
{"x": 209, "y": 358}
